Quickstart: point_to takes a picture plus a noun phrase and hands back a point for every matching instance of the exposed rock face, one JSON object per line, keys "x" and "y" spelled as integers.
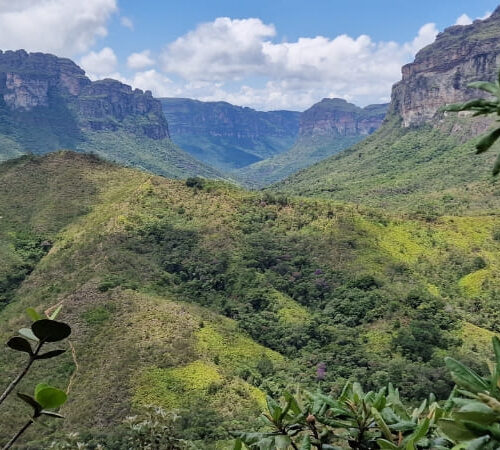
{"x": 228, "y": 136}
{"x": 441, "y": 71}
{"x": 38, "y": 83}
{"x": 335, "y": 117}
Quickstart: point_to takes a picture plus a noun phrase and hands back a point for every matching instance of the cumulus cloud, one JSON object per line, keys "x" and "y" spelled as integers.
{"x": 222, "y": 49}
{"x": 464, "y": 19}
{"x": 127, "y": 23}
{"x": 298, "y": 73}
{"x": 64, "y": 27}
{"x": 159, "y": 84}
{"x": 141, "y": 60}
{"x": 100, "y": 64}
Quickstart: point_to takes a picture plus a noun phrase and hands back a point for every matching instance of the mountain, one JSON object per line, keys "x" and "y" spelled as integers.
{"x": 228, "y": 136}
{"x": 422, "y": 159}
{"x": 326, "y": 128}
{"x": 47, "y": 103}
{"x": 203, "y": 298}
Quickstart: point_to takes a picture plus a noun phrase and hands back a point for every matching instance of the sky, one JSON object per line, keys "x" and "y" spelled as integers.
{"x": 265, "y": 54}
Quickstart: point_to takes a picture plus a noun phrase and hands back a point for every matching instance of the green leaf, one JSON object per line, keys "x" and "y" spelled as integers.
{"x": 33, "y": 314}
{"x": 486, "y": 142}
{"x": 465, "y": 377}
{"x": 32, "y": 402}
{"x": 385, "y": 444}
{"x": 381, "y": 423}
{"x": 476, "y": 412}
{"x": 306, "y": 443}
{"x": 477, "y": 444}
{"x": 20, "y": 344}
{"x": 484, "y": 86}
{"x": 51, "y": 354}
{"x": 28, "y": 334}
{"x": 456, "y": 431}
{"x": 238, "y": 445}
{"x": 50, "y": 330}
{"x": 282, "y": 442}
{"x": 55, "y": 313}
{"x": 49, "y": 397}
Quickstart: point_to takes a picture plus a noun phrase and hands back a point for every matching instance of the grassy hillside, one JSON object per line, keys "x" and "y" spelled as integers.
{"x": 422, "y": 170}
{"x": 206, "y": 298}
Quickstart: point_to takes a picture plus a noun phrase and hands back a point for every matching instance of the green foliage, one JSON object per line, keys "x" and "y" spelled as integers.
{"x": 483, "y": 107}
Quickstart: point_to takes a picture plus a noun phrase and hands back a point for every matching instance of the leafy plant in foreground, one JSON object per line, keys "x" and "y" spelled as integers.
{"x": 357, "y": 419}
{"x": 483, "y": 107}
{"x": 475, "y": 422}
{"x": 31, "y": 341}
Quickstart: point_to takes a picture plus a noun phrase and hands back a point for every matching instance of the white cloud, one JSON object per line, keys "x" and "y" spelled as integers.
{"x": 64, "y": 27}
{"x": 298, "y": 73}
{"x": 159, "y": 84}
{"x": 222, "y": 49}
{"x": 464, "y": 19}
{"x": 100, "y": 64}
{"x": 127, "y": 23}
{"x": 141, "y": 60}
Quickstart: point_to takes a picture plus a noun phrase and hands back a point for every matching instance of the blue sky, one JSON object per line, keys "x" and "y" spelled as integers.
{"x": 264, "y": 54}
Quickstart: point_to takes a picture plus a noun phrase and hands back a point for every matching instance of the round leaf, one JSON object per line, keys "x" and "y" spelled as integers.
{"x": 50, "y": 330}
{"x": 49, "y": 397}
{"x": 20, "y": 344}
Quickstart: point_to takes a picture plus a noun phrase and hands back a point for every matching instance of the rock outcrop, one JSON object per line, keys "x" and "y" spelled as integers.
{"x": 442, "y": 70}
{"x": 39, "y": 84}
{"x": 335, "y": 117}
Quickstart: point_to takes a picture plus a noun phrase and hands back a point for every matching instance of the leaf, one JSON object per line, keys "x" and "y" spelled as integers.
{"x": 20, "y": 344}
{"x": 381, "y": 423}
{"x": 476, "y": 412}
{"x": 50, "y": 330}
{"x": 31, "y": 401}
{"x": 33, "y": 314}
{"x": 28, "y": 334}
{"x": 238, "y": 445}
{"x": 306, "y": 443}
{"x": 477, "y": 444}
{"x": 484, "y": 86}
{"x": 51, "y": 354}
{"x": 282, "y": 442}
{"x": 465, "y": 377}
{"x": 456, "y": 431}
{"x": 55, "y": 313}
{"x": 49, "y": 397}
{"x": 486, "y": 142}
{"x": 385, "y": 444}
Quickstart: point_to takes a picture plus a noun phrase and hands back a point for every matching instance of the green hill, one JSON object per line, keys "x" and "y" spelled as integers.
{"x": 422, "y": 170}
{"x": 203, "y": 299}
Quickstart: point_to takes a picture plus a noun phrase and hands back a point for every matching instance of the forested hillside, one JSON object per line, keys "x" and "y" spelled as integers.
{"x": 202, "y": 297}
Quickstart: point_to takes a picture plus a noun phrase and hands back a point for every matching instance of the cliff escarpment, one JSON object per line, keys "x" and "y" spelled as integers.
{"x": 442, "y": 70}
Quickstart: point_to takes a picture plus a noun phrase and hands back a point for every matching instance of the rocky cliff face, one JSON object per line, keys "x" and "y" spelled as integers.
{"x": 335, "y": 117}
{"x": 38, "y": 84}
{"x": 229, "y": 136}
{"x": 441, "y": 71}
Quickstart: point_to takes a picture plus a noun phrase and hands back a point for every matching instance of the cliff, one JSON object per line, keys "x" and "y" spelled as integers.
{"x": 336, "y": 117}
{"x": 47, "y": 103}
{"x": 226, "y": 135}
{"x": 442, "y": 70}
{"x": 38, "y": 83}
